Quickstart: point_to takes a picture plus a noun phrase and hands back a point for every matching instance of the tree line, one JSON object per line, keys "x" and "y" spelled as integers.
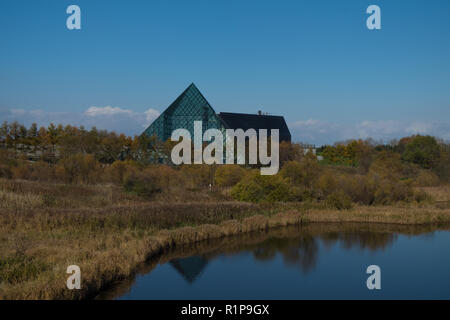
{"x": 57, "y": 142}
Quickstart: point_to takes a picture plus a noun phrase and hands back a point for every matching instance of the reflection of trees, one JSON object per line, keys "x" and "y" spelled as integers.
{"x": 298, "y": 245}
{"x": 364, "y": 240}
{"x": 297, "y": 251}
{"x": 303, "y": 250}
{"x": 305, "y": 255}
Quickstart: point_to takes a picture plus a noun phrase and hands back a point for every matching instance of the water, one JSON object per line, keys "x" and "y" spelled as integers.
{"x": 317, "y": 261}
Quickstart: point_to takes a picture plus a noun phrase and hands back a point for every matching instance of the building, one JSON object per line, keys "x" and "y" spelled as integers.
{"x": 192, "y": 106}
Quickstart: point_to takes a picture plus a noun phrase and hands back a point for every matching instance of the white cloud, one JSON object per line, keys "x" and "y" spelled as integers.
{"x": 324, "y": 132}
{"x": 123, "y": 120}
{"x": 151, "y": 115}
{"x": 106, "y": 111}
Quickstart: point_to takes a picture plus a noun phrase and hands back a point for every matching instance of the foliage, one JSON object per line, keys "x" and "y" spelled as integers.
{"x": 422, "y": 150}
{"x": 290, "y": 152}
{"x": 303, "y": 173}
{"x": 366, "y": 172}
{"x": 256, "y": 188}
{"x": 339, "y": 200}
{"x": 351, "y": 153}
{"x": 228, "y": 175}
{"x": 80, "y": 168}
{"x": 198, "y": 176}
{"x": 142, "y": 183}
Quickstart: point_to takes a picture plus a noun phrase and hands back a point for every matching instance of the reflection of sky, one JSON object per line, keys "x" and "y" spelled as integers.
{"x": 411, "y": 267}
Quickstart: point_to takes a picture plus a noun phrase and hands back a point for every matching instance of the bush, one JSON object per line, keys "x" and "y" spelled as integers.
{"x": 228, "y": 175}
{"x": 80, "y": 168}
{"x": 442, "y": 167}
{"x": 256, "y": 188}
{"x": 117, "y": 171}
{"x": 303, "y": 173}
{"x": 168, "y": 176}
{"x": 198, "y": 175}
{"x": 5, "y": 171}
{"x": 7, "y": 161}
{"x": 327, "y": 182}
{"x": 339, "y": 200}
{"x": 142, "y": 183}
{"x": 427, "y": 178}
{"x": 356, "y": 188}
{"x": 422, "y": 150}
{"x": 290, "y": 152}
{"x": 38, "y": 171}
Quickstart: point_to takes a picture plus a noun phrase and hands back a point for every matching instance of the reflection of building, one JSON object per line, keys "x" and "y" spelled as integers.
{"x": 192, "y": 106}
{"x": 190, "y": 268}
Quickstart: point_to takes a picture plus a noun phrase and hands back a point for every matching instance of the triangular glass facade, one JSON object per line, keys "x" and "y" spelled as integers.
{"x": 190, "y": 106}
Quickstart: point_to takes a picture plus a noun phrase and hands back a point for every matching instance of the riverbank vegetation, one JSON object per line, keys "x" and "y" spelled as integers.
{"x": 95, "y": 199}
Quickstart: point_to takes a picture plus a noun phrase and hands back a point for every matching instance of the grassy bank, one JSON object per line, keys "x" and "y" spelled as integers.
{"x": 108, "y": 233}
{"x": 291, "y": 242}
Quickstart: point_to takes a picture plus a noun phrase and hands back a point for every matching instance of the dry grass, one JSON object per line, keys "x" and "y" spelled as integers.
{"x": 440, "y": 193}
{"x": 278, "y": 240}
{"x": 46, "y": 227}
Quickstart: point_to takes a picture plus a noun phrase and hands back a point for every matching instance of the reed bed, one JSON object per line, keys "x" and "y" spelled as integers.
{"x": 44, "y": 228}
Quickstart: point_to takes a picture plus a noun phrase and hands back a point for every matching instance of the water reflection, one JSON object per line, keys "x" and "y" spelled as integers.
{"x": 299, "y": 247}
{"x": 190, "y": 268}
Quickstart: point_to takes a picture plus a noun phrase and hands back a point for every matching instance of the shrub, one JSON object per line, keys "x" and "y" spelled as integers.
{"x": 422, "y": 150}
{"x": 169, "y": 177}
{"x": 427, "y": 178}
{"x": 142, "y": 183}
{"x": 388, "y": 179}
{"x": 5, "y": 171}
{"x": 327, "y": 182}
{"x": 39, "y": 170}
{"x": 357, "y": 188}
{"x": 339, "y": 200}
{"x": 80, "y": 168}
{"x": 198, "y": 175}
{"x": 290, "y": 152}
{"x": 7, "y": 161}
{"x": 256, "y": 188}
{"x": 303, "y": 173}
{"x": 442, "y": 167}
{"x": 228, "y": 175}
{"x": 117, "y": 171}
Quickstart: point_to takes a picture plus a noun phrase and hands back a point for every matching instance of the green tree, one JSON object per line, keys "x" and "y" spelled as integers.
{"x": 422, "y": 150}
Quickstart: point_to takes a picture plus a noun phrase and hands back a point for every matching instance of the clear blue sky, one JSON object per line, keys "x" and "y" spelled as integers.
{"x": 314, "y": 62}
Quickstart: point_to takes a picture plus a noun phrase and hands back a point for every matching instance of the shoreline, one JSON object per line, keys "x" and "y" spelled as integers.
{"x": 235, "y": 243}
{"x": 104, "y": 273}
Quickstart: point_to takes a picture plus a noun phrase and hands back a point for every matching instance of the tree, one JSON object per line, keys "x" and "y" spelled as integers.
{"x": 422, "y": 150}
{"x": 303, "y": 173}
{"x": 290, "y": 152}
{"x": 4, "y": 134}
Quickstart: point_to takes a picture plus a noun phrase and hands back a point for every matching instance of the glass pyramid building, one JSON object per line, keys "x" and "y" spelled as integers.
{"x": 190, "y": 106}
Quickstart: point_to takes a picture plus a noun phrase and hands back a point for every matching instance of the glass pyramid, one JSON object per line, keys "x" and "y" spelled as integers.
{"x": 190, "y": 106}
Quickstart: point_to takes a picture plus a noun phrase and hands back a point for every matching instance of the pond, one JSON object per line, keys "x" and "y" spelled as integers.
{"x": 314, "y": 261}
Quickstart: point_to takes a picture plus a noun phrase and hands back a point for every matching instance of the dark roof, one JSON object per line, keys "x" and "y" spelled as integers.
{"x": 246, "y": 121}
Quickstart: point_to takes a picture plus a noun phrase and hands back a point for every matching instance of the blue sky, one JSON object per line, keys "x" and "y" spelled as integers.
{"x": 315, "y": 62}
